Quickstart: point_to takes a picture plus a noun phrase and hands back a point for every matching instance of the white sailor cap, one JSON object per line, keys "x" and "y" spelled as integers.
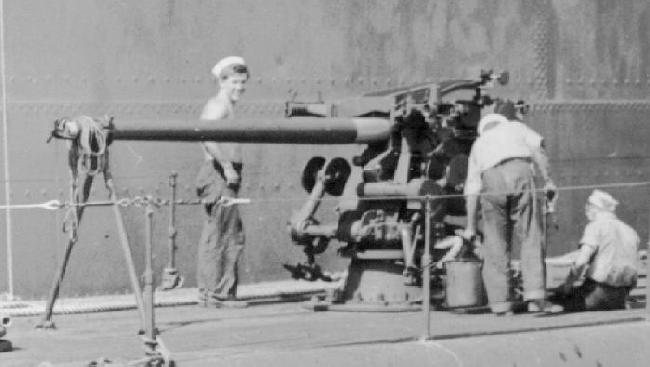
{"x": 225, "y": 62}
{"x": 496, "y": 118}
{"x": 603, "y": 200}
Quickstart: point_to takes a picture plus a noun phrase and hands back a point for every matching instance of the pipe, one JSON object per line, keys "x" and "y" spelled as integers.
{"x": 647, "y": 280}
{"x": 426, "y": 269}
{"x": 408, "y": 246}
{"x": 415, "y": 187}
{"x": 172, "y": 222}
{"x": 5, "y": 144}
{"x": 148, "y": 298}
{"x": 303, "y": 130}
{"x": 317, "y": 230}
{"x": 130, "y": 265}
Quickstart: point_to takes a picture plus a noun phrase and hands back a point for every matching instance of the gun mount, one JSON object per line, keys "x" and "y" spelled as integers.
{"x": 425, "y": 155}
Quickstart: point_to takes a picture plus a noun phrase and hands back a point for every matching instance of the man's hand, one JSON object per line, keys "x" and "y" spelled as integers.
{"x": 232, "y": 177}
{"x": 566, "y": 289}
{"x": 469, "y": 233}
{"x": 551, "y": 190}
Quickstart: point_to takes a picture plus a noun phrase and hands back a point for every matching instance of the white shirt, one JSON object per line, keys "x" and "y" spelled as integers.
{"x": 613, "y": 245}
{"x": 511, "y": 139}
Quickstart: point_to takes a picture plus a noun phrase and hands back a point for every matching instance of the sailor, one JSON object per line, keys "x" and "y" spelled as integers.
{"x": 501, "y": 171}
{"x": 222, "y": 239}
{"x": 607, "y": 258}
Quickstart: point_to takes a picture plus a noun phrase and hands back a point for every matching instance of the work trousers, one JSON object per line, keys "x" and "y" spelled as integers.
{"x": 222, "y": 240}
{"x": 511, "y": 216}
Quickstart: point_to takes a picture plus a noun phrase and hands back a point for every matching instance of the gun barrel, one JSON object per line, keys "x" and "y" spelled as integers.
{"x": 304, "y": 130}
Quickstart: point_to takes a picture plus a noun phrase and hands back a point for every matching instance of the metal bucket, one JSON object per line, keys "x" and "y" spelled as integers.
{"x": 464, "y": 284}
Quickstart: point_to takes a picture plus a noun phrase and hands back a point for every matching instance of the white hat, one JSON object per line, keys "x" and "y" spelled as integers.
{"x": 225, "y": 62}
{"x": 603, "y": 200}
{"x": 490, "y": 118}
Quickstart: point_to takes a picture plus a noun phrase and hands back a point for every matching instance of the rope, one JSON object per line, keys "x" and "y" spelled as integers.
{"x": 143, "y": 201}
{"x": 138, "y": 201}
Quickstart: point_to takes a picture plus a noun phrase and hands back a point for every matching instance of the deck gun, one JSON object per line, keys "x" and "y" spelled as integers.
{"x": 417, "y": 141}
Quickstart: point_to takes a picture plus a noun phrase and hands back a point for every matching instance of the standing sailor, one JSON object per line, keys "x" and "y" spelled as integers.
{"x": 501, "y": 172}
{"x": 222, "y": 239}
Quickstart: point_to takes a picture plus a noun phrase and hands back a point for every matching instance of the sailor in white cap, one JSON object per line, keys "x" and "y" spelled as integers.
{"x": 225, "y": 63}
{"x": 222, "y": 239}
{"x": 501, "y": 172}
{"x": 607, "y": 259}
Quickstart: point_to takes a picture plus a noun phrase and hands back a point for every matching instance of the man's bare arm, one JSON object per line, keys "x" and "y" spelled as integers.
{"x": 216, "y": 153}
{"x": 472, "y": 190}
{"x": 472, "y": 215}
{"x": 541, "y": 161}
{"x": 216, "y": 111}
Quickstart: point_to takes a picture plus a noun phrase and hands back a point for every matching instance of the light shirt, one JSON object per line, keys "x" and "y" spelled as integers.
{"x": 511, "y": 139}
{"x": 613, "y": 246}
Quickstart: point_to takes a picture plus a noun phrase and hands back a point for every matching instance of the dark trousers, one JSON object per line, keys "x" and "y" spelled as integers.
{"x": 510, "y": 213}
{"x": 222, "y": 239}
{"x": 220, "y": 248}
{"x": 594, "y": 296}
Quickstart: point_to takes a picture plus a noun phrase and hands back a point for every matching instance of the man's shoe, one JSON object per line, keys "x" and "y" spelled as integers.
{"x": 227, "y": 302}
{"x": 504, "y": 313}
{"x": 544, "y": 306}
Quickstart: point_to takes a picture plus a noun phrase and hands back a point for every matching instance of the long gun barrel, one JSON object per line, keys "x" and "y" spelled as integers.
{"x": 304, "y": 130}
